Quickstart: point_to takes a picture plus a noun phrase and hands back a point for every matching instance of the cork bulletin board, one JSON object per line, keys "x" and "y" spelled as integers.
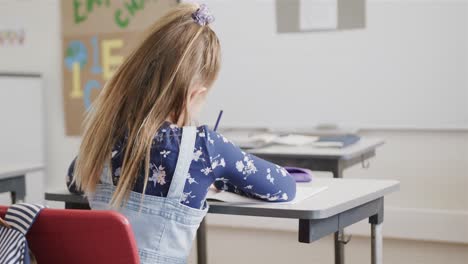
{"x": 96, "y": 36}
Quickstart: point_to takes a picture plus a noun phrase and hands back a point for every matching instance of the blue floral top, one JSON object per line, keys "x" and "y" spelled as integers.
{"x": 215, "y": 160}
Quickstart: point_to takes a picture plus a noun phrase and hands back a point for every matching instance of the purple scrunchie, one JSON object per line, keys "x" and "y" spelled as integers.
{"x": 203, "y": 16}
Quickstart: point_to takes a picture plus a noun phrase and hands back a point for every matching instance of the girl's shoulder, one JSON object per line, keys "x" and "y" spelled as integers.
{"x": 171, "y": 134}
{"x": 211, "y": 137}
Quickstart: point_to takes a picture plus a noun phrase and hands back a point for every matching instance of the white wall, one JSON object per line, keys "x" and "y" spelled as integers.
{"x": 432, "y": 165}
{"x": 406, "y": 69}
{"x": 42, "y": 53}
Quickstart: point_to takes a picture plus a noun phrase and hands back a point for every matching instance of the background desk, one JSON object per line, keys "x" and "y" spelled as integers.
{"x": 12, "y": 179}
{"x": 335, "y": 160}
{"x": 344, "y": 203}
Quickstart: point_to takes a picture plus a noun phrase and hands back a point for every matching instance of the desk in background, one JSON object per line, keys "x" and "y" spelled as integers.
{"x": 13, "y": 179}
{"x": 334, "y": 160}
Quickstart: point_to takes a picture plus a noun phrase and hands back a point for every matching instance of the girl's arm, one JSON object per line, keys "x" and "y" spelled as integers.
{"x": 239, "y": 172}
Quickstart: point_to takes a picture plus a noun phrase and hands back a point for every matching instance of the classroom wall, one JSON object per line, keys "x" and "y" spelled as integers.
{"x": 412, "y": 55}
{"x": 431, "y": 165}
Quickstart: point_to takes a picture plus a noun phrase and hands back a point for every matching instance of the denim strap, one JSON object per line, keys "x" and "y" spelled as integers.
{"x": 187, "y": 144}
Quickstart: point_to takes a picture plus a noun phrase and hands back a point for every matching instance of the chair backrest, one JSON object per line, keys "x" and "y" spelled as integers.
{"x": 81, "y": 236}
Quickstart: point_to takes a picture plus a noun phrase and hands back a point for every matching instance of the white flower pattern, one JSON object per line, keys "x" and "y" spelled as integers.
{"x": 281, "y": 170}
{"x": 186, "y": 196}
{"x": 246, "y": 166}
{"x": 164, "y": 153}
{"x": 197, "y": 155}
{"x": 190, "y": 179}
{"x": 158, "y": 175}
{"x": 269, "y": 177}
{"x": 217, "y": 161}
{"x": 206, "y": 170}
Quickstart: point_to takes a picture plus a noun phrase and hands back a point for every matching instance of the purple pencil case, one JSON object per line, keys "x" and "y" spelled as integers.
{"x": 300, "y": 174}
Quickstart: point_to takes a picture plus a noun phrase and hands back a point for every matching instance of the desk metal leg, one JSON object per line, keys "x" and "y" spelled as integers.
{"x": 339, "y": 236}
{"x": 339, "y": 248}
{"x": 313, "y": 229}
{"x": 13, "y": 197}
{"x": 201, "y": 243}
{"x": 80, "y": 206}
{"x": 376, "y": 244}
{"x": 20, "y": 194}
{"x": 376, "y": 222}
{"x": 338, "y": 170}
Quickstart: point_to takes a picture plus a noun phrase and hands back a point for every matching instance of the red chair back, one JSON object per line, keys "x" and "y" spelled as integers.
{"x": 81, "y": 236}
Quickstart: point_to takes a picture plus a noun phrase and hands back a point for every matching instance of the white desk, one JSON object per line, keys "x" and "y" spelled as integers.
{"x": 345, "y": 202}
{"x": 12, "y": 179}
{"x": 341, "y": 195}
{"x": 335, "y": 160}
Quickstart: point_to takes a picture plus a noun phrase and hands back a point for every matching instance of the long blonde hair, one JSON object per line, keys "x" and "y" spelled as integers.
{"x": 150, "y": 86}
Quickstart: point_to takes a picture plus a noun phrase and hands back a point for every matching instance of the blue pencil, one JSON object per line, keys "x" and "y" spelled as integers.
{"x": 217, "y": 121}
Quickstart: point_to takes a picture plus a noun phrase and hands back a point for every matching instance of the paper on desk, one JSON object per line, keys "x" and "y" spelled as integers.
{"x": 329, "y": 144}
{"x": 290, "y": 140}
{"x": 261, "y": 139}
{"x": 295, "y": 140}
{"x": 249, "y": 139}
{"x": 302, "y": 193}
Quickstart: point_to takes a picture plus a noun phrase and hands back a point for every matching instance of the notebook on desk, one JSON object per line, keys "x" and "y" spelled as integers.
{"x": 302, "y": 193}
{"x": 336, "y": 141}
{"x": 247, "y": 140}
{"x": 260, "y": 138}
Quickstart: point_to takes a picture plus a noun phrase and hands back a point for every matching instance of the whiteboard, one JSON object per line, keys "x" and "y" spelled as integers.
{"x": 22, "y": 122}
{"x": 407, "y": 69}
{"x": 22, "y": 129}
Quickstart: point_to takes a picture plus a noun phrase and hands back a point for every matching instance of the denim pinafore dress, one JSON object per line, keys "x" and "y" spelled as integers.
{"x": 164, "y": 228}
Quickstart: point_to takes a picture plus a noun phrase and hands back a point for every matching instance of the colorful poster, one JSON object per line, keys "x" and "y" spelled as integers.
{"x": 97, "y": 34}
